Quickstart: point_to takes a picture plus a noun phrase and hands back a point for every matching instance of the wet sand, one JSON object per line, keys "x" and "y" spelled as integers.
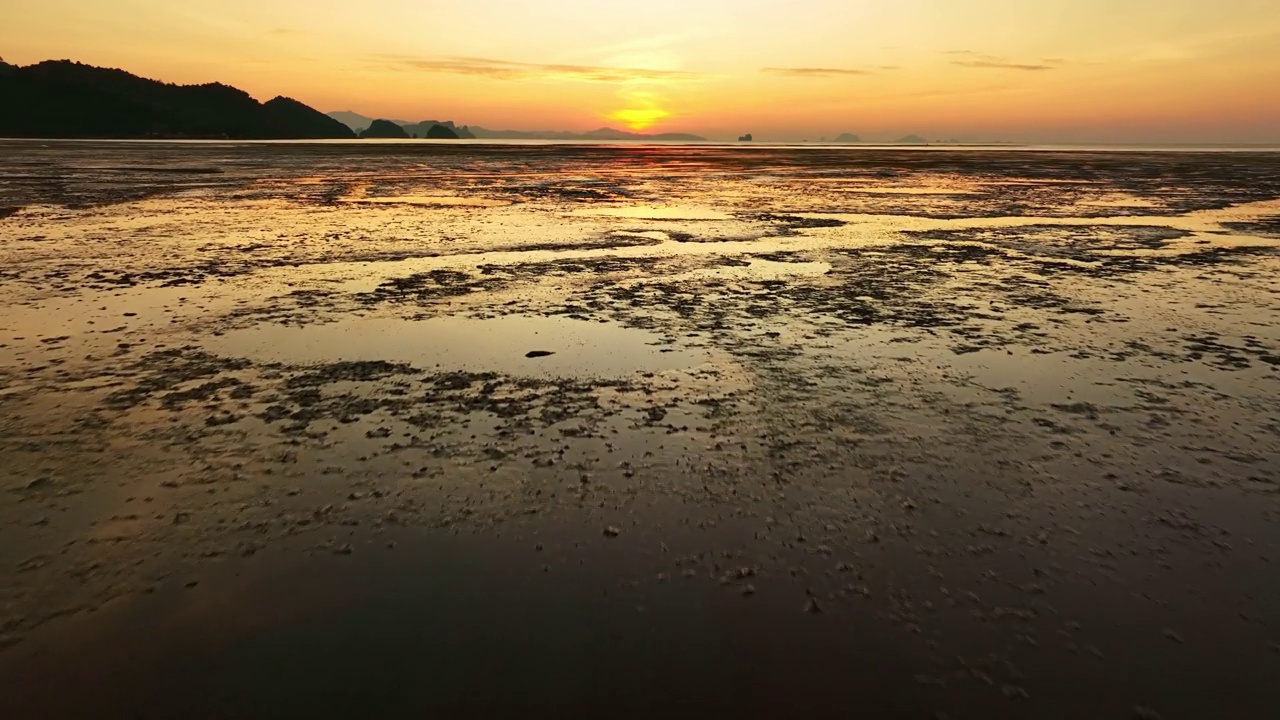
{"x": 350, "y": 430}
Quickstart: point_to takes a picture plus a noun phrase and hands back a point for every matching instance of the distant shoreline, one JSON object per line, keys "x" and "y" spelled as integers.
{"x": 723, "y": 144}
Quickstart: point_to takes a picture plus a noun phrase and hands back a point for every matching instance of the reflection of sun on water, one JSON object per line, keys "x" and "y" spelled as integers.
{"x": 639, "y": 118}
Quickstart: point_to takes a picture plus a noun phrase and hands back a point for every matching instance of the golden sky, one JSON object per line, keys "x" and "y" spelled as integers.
{"x": 1023, "y": 70}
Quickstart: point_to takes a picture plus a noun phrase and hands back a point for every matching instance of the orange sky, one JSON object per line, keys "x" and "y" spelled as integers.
{"x": 1049, "y": 70}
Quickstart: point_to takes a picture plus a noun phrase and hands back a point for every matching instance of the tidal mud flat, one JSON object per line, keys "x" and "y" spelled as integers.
{"x": 357, "y": 429}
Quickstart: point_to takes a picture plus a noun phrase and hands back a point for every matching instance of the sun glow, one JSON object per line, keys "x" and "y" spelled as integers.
{"x": 642, "y": 108}
{"x": 639, "y": 118}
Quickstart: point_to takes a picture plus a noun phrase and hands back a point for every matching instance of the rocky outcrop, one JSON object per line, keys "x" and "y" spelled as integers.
{"x": 292, "y": 119}
{"x": 440, "y": 132}
{"x": 423, "y": 129}
{"x": 385, "y": 129}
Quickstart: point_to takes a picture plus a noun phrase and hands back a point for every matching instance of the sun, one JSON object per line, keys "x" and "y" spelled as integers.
{"x": 642, "y": 108}
{"x": 641, "y": 118}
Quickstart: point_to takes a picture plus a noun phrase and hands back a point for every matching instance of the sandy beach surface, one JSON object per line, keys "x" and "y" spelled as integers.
{"x": 428, "y": 430}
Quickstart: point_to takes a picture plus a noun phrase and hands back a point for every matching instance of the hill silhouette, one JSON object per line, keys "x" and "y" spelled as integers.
{"x": 64, "y": 99}
{"x": 426, "y": 127}
{"x": 440, "y": 132}
{"x": 359, "y": 123}
{"x": 385, "y": 129}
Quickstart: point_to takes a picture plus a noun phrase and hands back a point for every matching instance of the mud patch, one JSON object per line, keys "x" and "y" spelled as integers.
{"x": 443, "y": 201}
{"x": 500, "y": 344}
{"x": 660, "y": 212}
{"x": 1268, "y": 227}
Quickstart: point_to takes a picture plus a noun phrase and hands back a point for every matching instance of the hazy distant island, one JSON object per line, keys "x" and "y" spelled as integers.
{"x": 390, "y": 129}
{"x": 64, "y": 99}
{"x": 847, "y": 138}
{"x": 917, "y": 140}
{"x": 424, "y": 129}
{"x": 428, "y": 129}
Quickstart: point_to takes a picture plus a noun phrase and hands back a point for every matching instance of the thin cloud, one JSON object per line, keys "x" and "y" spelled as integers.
{"x": 974, "y": 59}
{"x": 510, "y": 70}
{"x": 1000, "y": 65}
{"x": 814, "y": 72}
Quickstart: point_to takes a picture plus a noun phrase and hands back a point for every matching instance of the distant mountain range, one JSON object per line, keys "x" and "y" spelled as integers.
{"x": 360, "y": 123}
{"x": 64, "y": 99}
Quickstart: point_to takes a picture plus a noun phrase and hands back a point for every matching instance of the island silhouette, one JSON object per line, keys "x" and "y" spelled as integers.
{"x": 64, "y": 99}
{"x": 359, "y": 123}
{"x": 384, "y": 129}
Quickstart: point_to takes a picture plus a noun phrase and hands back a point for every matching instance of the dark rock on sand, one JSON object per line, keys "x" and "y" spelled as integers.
{"x": 538, "y": 353}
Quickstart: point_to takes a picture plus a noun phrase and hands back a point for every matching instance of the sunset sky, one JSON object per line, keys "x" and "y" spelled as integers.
{"x": 1048, "y": 70}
